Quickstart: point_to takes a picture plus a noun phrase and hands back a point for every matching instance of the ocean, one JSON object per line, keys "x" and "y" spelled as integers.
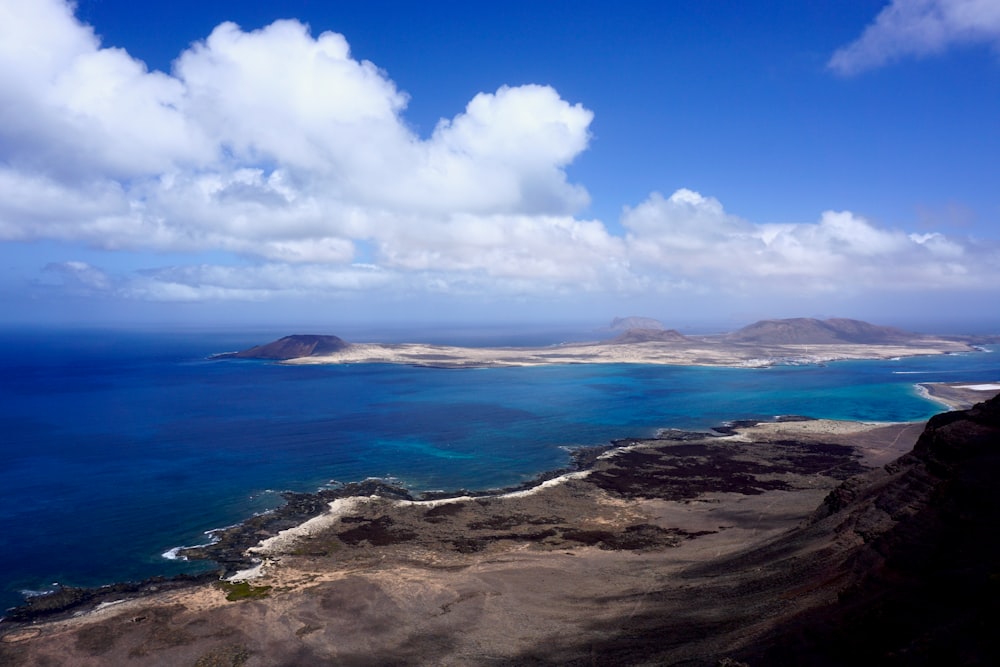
{"x": 119, "y": 446}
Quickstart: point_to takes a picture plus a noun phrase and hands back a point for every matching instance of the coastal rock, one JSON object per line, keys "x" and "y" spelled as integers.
{"x": 229, "y": 546}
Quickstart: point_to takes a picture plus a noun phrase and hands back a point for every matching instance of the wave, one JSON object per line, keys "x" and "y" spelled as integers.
{"x": 966, "y": 372}
{"x": 175, "y": 552}
{"x": 29, "y": 593}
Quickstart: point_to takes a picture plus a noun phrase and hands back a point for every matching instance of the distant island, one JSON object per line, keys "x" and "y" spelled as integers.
{"x": 642, "y": 340}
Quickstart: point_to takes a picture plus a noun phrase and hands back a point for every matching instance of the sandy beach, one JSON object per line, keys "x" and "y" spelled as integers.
{"x": 958, "y": 395}
{"x": 701, "y": 351}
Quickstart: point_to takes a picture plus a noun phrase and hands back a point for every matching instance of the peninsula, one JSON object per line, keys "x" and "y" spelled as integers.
{"x": 762, "y": 344}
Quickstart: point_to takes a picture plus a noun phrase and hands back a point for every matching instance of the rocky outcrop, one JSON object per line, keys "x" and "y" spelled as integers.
{"x": 291, "y": 347}
{"x": 921, "y": 584}
{"x": 809, "y": 331}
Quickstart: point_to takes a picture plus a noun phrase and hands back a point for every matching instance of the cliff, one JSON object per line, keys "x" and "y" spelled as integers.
{"x": 923, "y": 582}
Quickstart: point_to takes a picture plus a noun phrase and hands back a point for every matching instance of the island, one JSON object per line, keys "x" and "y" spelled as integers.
{"x": 762, "y": 344}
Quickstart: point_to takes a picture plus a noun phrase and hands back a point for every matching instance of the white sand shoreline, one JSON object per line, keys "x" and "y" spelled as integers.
{"x": 699, "y": 353}
{"x": 284, "y": 541}
{"x": 957, "y": 395}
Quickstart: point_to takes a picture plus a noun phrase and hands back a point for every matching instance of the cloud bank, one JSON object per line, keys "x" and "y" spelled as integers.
{"x": 919, "y": 28}
{"x": 282, "y": 151}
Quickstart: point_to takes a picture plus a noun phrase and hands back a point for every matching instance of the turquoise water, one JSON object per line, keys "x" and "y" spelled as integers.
{"x": 117, "y": 447}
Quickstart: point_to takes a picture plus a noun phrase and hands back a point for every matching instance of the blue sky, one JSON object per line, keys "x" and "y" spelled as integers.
{"x": 321, "y": 162}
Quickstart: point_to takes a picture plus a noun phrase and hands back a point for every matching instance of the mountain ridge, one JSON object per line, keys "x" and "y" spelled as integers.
{"x": 650, "y": 336}
{"x": 811, "y": 331}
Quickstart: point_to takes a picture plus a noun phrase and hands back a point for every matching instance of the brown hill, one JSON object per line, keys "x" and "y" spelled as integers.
{"x": 650, "y": 336}
{"x": 292, "y": 347}
{"x": 922, "y": 584}
{"x": 809, "y": 331}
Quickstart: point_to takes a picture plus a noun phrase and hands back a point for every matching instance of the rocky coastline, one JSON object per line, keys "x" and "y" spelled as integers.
{"x": 229, "y": 547}
{"x": 767, "y": 528}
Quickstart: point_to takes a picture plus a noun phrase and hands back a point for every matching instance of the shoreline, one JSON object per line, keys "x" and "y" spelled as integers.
{"x": 241, "y": 551}
{"x": 957, "y": 395}
{"x": 696, "y": 351}
{"x": 771, "y": 544}
{"x": 238, "y": 552}
{"x": 241, "y": 548}
{"x": 642, "y": 508}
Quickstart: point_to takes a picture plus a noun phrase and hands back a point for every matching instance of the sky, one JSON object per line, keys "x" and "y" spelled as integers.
{"x": 317, "y": 162}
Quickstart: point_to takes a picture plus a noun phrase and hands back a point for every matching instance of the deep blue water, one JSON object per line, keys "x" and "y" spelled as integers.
{"x": 115, "y": 447}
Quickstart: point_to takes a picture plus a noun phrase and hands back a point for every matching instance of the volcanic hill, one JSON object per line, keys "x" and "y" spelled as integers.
{"x": 810, "y": 331}
{"x": 291, "y": 347}
{"x": 651, "y": 336}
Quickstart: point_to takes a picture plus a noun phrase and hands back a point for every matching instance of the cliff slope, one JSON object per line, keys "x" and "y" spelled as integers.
{"x": 924, "y": 581}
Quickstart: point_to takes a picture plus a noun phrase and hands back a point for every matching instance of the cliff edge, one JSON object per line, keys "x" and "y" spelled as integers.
{"x": 923, "y": 581}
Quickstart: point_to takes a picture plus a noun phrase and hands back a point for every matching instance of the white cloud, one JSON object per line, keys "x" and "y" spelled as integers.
{"x": 252, "y": 283}
{"x": 282, "y": 149}
{"x": 685, "y": 243}
{"x": 919, "y": 28}
{"x": 556, "y": 249}
{"x": 275, "y": 144}
{"x": 688, "y": 238}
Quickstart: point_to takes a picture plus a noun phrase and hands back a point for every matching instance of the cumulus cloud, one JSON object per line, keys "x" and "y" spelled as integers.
{"x": 269, "y": 143}
{"x": 686, "y": 242}
{"x": 282, "y": 149}
{"x": 919, "y": 28}
{"x": 691, "y": 238}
